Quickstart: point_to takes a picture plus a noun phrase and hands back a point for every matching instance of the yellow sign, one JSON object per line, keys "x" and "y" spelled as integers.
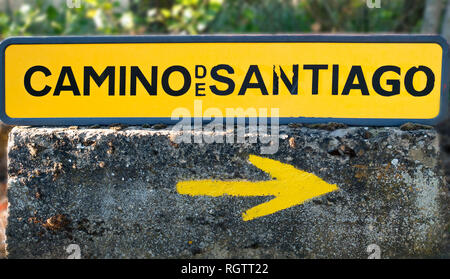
{"x": 291, "y": 187}
{"x": 379, "y": 80}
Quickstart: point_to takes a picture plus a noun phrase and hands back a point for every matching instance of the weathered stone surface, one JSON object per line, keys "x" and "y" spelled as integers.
{"x": 113, "y": 193}
{"x": 3, "y": 214}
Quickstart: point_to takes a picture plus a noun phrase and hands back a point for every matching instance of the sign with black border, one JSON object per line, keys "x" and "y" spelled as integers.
{"x": 142, "y": 79}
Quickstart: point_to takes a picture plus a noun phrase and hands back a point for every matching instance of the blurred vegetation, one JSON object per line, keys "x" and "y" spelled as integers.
{"x": 52, "y": 17}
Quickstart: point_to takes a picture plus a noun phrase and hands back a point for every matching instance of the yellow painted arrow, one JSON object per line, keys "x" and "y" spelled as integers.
{"x": 291, "y": 187}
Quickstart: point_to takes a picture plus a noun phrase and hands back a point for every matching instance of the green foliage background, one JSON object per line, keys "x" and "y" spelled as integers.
{"x": 44, "y": 17}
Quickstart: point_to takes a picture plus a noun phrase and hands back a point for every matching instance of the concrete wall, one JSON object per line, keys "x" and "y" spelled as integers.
{"x": 115, "y": 193}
